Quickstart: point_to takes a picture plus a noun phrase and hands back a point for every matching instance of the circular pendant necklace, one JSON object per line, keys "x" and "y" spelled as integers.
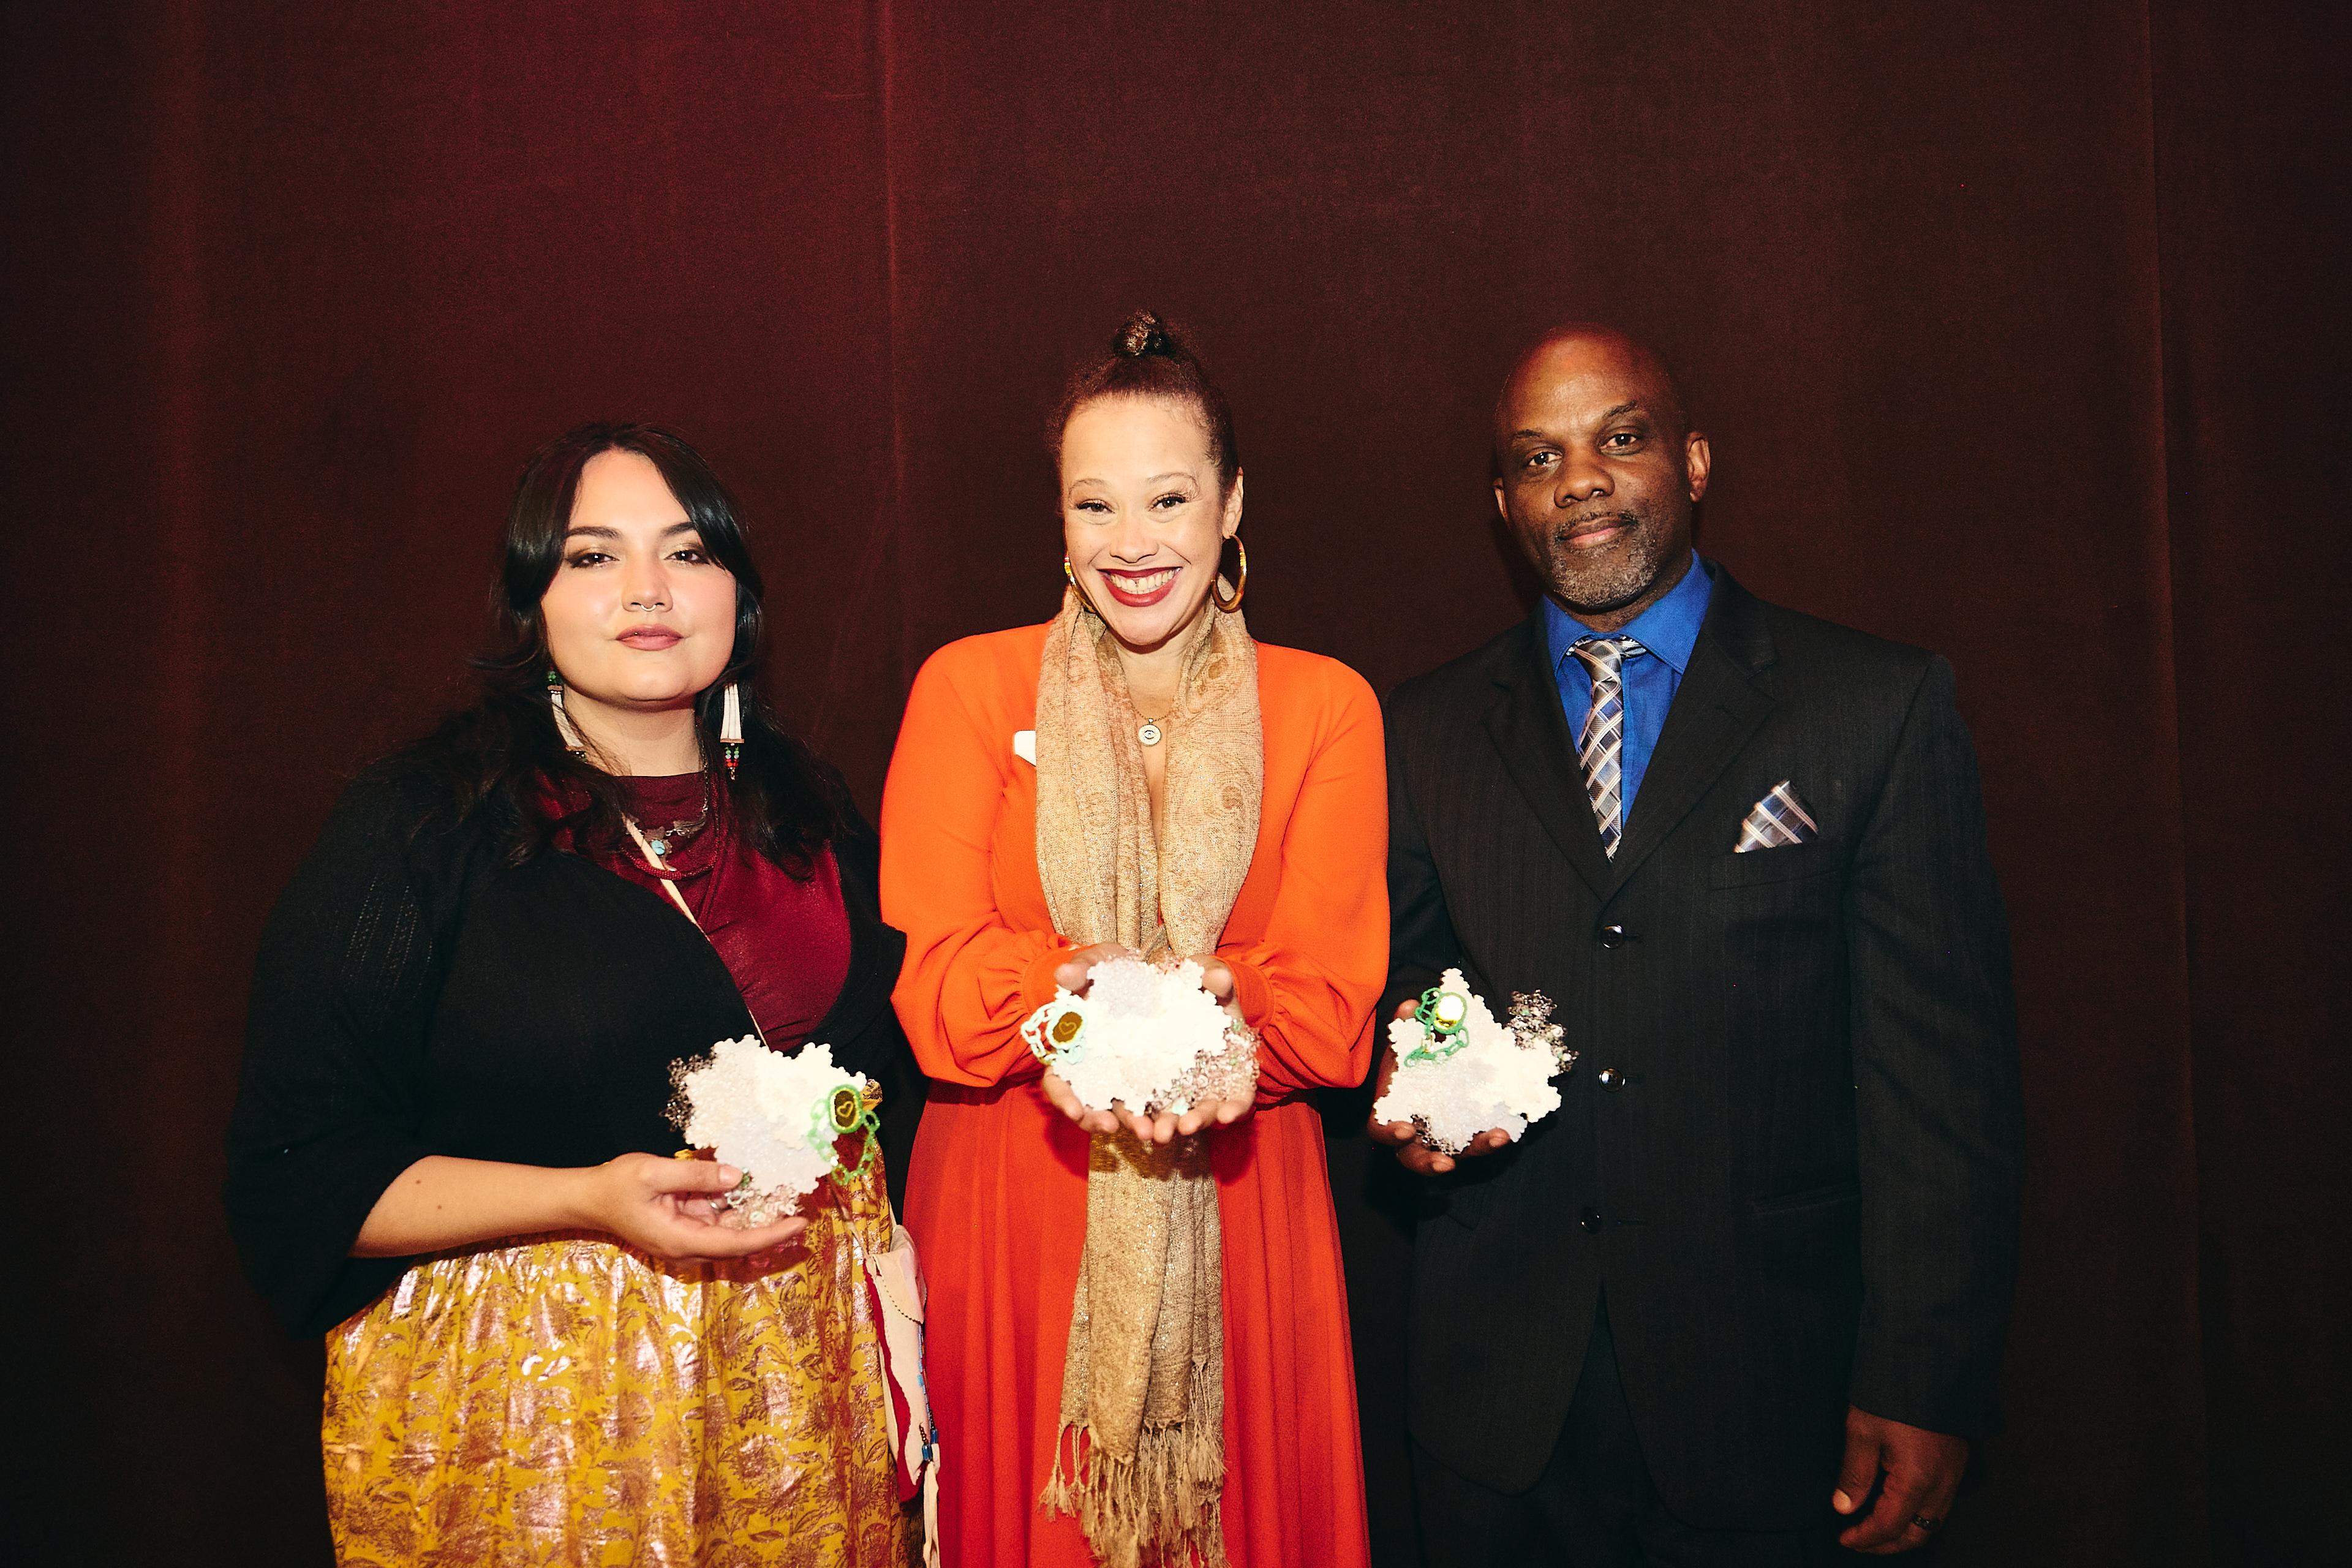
{"x": 1148, "y": 731}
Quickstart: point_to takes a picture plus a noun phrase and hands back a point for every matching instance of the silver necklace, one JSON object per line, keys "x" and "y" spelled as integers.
{"x": 675, "y": 835}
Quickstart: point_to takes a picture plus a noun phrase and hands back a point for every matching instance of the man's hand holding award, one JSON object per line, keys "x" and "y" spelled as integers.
{"x": 1458, "y": 1082}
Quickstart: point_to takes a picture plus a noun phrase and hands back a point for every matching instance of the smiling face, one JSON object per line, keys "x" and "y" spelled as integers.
{"x": 1598, "y": 474}
{"x": 637, "y": 615}
{"x": 1144, "y": 517}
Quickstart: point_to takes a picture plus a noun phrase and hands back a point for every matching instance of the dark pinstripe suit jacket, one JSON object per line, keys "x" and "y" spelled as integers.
{"x": 1805, "y": 1189}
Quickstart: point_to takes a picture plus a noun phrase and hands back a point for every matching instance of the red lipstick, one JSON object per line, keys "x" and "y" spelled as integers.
{"x": 1140, "y": 590}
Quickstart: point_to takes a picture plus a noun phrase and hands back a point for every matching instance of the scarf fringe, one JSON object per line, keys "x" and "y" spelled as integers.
{"x": 1162, "y": 1507}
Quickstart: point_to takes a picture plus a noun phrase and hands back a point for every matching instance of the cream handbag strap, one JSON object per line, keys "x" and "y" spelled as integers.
{"x": 653, "y": 858}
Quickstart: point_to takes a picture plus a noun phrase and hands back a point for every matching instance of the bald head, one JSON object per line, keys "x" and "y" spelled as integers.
{"x": 1596, "y": 469}
{"x": 1577, "y": 346}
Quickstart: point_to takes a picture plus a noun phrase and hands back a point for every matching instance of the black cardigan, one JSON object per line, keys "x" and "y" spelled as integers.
{"x": 416, "y": 996}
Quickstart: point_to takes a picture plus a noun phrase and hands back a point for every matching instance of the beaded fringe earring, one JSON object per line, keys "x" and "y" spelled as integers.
{"x": 730, "y": 729}
{"x": 563, "y": 726}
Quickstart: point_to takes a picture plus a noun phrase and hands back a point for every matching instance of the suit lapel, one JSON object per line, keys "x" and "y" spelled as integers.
{"x": 1539, "y": 756}
{"x": 1716, "y": 709}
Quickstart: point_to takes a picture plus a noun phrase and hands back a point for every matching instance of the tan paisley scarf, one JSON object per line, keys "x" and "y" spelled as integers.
{"x": 1144, "y": 1379}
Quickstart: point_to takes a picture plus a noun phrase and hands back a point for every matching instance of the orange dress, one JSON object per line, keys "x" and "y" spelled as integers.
{"x": 996, "y": 1194}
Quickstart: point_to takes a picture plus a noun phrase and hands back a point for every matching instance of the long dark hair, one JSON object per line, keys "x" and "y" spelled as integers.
{"x": 500, "y": 755}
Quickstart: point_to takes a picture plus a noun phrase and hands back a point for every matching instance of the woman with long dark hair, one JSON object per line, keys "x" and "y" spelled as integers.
{"x": 547, "y": 1339}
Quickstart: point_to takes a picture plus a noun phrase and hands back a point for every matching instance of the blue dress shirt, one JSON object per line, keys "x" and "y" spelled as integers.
{"x": 1669, "y": 630}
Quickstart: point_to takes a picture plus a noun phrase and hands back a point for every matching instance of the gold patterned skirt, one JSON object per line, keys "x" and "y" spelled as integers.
{"x": 568, "y": 1400}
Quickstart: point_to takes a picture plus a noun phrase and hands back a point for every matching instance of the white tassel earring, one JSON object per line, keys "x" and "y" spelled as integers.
{"x": 730, "y": 728}
{"x": 563, "y": 725}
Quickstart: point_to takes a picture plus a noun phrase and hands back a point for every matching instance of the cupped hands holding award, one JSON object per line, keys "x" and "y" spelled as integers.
{"x": 1179, "y": 1075}
{"x": 1138, "y": 783}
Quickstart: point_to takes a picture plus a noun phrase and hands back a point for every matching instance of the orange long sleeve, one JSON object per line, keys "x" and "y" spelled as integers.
{"x": 1308, "y": 981}
{"x": 969, "y": 976}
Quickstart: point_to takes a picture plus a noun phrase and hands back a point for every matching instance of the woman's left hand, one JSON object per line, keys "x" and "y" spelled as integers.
{"x": 1217, "y": 979}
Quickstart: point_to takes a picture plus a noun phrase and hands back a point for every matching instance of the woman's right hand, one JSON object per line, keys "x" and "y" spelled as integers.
{"x": 1076, "y": 972}
{"x": 672, "y": 1208}
{"x": 1065, "y": 1100}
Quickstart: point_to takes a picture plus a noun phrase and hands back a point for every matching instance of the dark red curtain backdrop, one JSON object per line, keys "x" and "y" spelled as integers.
{"x": 2016, "y": 328}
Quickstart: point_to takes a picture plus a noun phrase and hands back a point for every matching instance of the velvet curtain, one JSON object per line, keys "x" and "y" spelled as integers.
{"x": 2015, "y": 328}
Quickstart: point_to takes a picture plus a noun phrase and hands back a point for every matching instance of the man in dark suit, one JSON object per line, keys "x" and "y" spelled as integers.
{"x": 1743, "y": 1295}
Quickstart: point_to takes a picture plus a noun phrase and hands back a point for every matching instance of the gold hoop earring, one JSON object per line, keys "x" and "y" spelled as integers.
{"x": 1241, "y": 583}
{"x": 1071, "y": 579}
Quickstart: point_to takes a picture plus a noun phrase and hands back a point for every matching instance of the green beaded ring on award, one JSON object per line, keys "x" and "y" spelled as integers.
{"x": 1442, "y": 1015}
{"x": 1057, "y": 1031}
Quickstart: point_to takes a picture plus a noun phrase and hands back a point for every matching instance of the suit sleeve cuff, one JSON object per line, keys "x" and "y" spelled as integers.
{"x": 1954, "y": 1394}
{"x": 1404, "y": 986}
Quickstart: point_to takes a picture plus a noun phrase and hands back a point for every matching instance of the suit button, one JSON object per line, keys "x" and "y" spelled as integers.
{"x": 1590, "y": 1219}
{"x": 1613, "y": 936}
{"x": 1610, "y": 1078}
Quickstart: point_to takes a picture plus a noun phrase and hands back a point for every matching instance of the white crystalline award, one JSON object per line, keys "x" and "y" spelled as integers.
{"x": 776, "y": 1118}
{"x": 1460, "y": 1073}
{"x": 1145, "y": 1037}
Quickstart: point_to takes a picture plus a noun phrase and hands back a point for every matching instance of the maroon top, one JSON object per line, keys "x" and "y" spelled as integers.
{"x": 784, "y": 940}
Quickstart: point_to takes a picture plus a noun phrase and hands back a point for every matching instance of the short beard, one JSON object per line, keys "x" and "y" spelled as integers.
{"x": 1610, "y": 588}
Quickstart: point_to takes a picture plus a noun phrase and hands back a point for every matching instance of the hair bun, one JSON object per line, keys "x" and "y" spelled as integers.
{"x": 1143, "y": 334}
{"x": 1150, "y": 359}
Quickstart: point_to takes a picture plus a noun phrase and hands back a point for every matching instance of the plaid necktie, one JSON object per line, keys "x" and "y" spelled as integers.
{"x": 1599, "y": 749}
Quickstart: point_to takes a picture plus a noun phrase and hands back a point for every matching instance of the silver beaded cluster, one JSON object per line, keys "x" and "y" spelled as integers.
{"x": 1231, "y": 1074}
{"x": 1532, "y": 1027}
{"x": 1432, "y": 1141}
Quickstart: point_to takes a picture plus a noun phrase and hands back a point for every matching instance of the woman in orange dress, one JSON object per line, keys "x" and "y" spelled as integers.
{"x": 1137, "y": 775}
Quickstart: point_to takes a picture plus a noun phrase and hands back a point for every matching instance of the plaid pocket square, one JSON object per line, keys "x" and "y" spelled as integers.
{"x": 1778, "y": 820}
